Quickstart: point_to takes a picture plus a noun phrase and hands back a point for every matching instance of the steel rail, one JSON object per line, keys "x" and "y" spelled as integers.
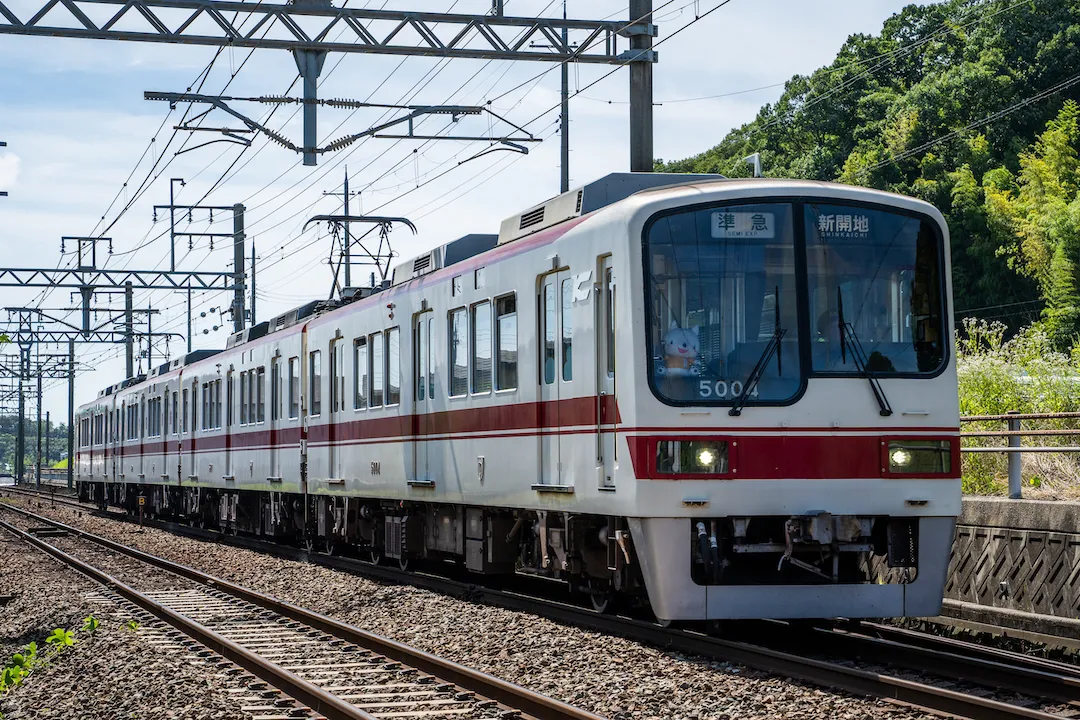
{"x": 818, "y": 672}
{"x": 914, "y": 637}
{"x": 957, "y": 663}
{"x": 493, "y": 688}
{"x": 296, "y": 687}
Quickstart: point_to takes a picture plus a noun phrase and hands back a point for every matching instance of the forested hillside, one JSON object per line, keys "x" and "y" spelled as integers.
{"x": 967, "y": 105}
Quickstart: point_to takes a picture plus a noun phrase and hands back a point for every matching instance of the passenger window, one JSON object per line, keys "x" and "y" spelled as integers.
{"x": 481, "y": 348}
{"x": 275, "y": 389}
{"x": 567, "y": 329}
{"x": 459, "y": 357}
{"x": 393, "y": 366}
{"x": 378, "y": 368}
{"x": 252, "y": 398}
{"x": 423, "y": 350}
{"x": 360, "y": 373}
{"x": 506, "y": 342}
{"x": 609, "y": 319}
{"x": 315, "y": 382}
{"x": 548, "y": 310}
{"x": 261, "y": 385}
{"x": 431, "y": 356}
{"x": 294, "y": 387}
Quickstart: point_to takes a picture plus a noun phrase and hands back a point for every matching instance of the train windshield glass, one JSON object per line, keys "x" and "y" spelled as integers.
{"x": 879, "y": 274}
{"x": 722, "y": 299}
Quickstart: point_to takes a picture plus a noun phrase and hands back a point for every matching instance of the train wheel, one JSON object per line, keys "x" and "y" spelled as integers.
{"x": 375, "y": 556}
{"x": 330, "y": 546}
{"x": 601, "y": 601}
{"x": 403, "y": 562}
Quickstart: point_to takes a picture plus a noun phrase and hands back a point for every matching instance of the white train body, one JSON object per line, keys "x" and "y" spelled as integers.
{"x": 529, "y": 405}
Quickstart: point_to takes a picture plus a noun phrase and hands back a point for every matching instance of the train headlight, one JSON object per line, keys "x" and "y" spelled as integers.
{"x": 920, "y": 457}
{"x": 900, "y": 458}
{"x": 692, "y": 457}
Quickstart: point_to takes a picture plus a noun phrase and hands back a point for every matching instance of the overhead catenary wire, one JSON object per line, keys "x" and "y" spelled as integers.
{"x": 489, "y": 171}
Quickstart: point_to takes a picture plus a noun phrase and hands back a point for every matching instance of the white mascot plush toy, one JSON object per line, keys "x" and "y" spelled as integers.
{"x": 681, "y": 349}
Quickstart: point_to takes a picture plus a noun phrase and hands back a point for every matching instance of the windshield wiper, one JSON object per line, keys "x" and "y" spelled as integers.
{"x": 858, "y": 355}
{"x": 763, "y": 361}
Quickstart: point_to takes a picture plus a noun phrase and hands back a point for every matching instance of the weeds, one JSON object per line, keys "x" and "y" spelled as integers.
{"x": 23, "y": 663}
{"x": 1026, "y": 374}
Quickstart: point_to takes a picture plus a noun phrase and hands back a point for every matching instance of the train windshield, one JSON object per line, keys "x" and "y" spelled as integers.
{"x": 875, "y": 283}
{"x": 723, "y": 300}
{"x": 724, "y": 306}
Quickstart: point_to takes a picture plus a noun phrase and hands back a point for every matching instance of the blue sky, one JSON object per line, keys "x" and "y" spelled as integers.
{"x": 76, "y": 125}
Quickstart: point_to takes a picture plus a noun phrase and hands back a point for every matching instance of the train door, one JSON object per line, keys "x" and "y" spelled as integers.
{"x": 144, "y": 429}
{"x": 605, "y": 375}
{"x": 230, "y": 403}
{"x": 337, "y": 406}
{"x": 121, "y": 438}
{"x": 556, "y": 294}
{"x": 172, "y": 443}
{"x": 423, "y": 390}
{"x": 275, "y": 415}
{"x": 193, "y": 470}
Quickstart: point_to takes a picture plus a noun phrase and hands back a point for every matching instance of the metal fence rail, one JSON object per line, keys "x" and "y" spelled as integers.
{"x": 1015, "y": 433}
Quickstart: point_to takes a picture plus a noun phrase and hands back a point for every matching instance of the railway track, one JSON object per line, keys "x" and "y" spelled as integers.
{"x": 335, "y": 670}
{"x": 809, "y": 654}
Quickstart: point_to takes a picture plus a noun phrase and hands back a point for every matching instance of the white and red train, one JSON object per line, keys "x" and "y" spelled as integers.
{"x": 730, "y": 398}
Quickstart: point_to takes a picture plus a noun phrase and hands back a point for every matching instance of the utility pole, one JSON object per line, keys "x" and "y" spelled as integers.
{"x": 129, "y": 330}
{"x": 71, "y": 416}
{"x": 564, "y": 125}
{"x": 20, "y": 436}
{"x": 149, "y": 341}
{"x": 172, "y": 223}
{"x": 253, "y": 283}
{"x": 641, "y": 85}
{"x": 348, "y": 241}
{"x": 37, "y": 465}
{"x": 347, "y": 247}
{"x": 189, "y": 319}
{"x": 238, "y": 267}
{"x": 48, "y": 426}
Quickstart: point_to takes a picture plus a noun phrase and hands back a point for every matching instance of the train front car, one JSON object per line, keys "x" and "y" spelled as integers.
{"x": 793, "y": 420}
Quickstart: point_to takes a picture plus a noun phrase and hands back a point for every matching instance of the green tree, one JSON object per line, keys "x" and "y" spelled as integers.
{"x": 890, "y": 112}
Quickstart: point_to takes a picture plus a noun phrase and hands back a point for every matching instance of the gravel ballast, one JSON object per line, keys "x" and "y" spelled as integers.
{"x": 115, "y": 672}
{"x": 607, "y": 675}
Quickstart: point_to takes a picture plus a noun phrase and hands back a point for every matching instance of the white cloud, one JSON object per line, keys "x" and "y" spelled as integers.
{"x": 9, "y": 170}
